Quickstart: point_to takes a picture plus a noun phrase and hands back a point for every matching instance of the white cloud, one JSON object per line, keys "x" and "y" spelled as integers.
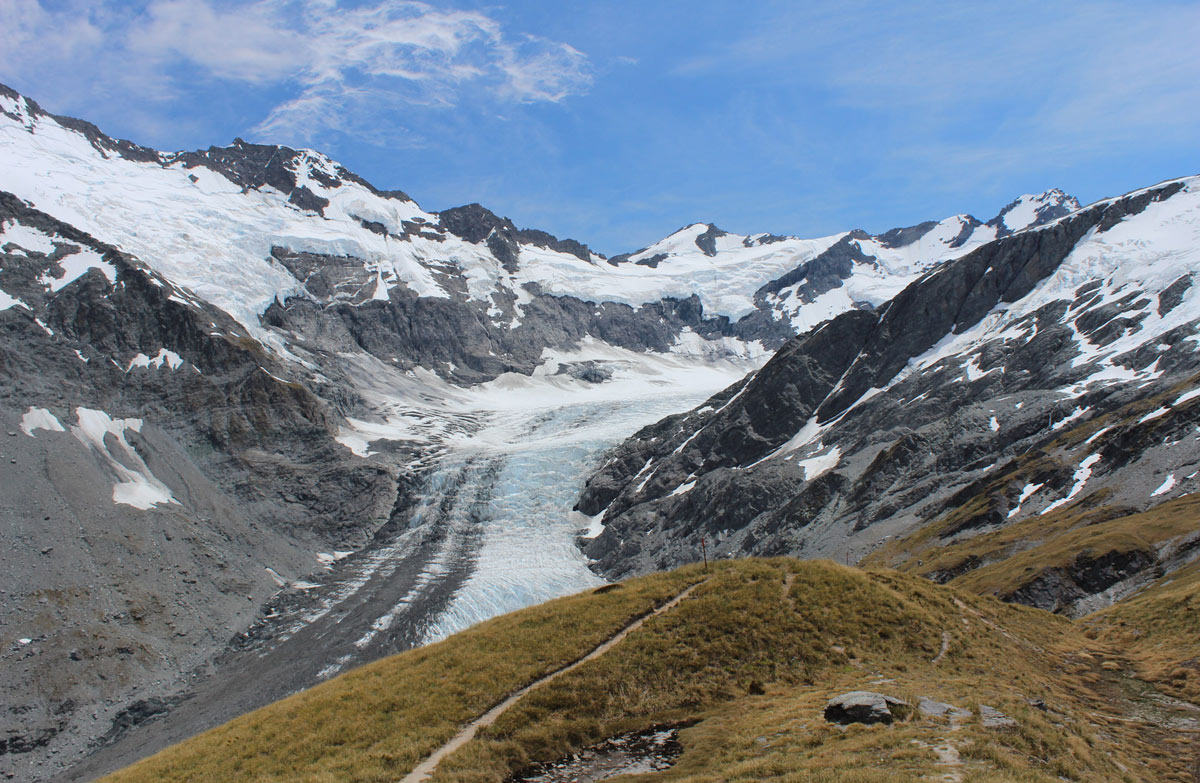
{"x": 243, "y": 43}
{"x": 411, "y": 53}
{"x": 27, "y": 29}
{"x": 326, "y": 62}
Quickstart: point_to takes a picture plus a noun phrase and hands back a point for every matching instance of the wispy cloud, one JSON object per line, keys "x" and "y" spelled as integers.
{"x": 324, "y": 61}
{"x": 245, "y": 43}
{"x": 409, "y": 53}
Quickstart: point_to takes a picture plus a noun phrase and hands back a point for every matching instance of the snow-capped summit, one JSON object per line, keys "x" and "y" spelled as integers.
{"x": 1034, "y": 210}
{"x": 250, "y": 225}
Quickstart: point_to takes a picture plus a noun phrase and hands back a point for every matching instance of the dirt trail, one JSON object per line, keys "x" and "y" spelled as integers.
{"x": 946, "y": 638}
{"x": 787, "y": 590}
{"x": 949, "y": 760}
{"x": 423, "y": 770}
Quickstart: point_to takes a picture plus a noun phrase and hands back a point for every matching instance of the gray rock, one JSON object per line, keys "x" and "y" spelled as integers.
{"x": 993, "y": 718}
{"x": 861, "y": 707}
{"x": 938, "y": 709}
{"x": 589, "y": 371}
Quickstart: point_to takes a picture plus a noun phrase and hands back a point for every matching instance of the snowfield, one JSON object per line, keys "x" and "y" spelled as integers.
{"x": 208, "y": 235}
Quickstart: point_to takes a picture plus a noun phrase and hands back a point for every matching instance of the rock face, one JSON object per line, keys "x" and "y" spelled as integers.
{"x": 1048, "y": 370}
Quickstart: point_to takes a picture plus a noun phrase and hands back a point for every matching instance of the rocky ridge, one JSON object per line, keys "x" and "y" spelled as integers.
{"x": 271, "y": 232}
{"x": 1048, "y": 372}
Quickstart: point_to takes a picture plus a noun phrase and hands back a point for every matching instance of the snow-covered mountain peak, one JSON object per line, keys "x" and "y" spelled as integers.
{"x": 248, "y": 225}
{"x": 691, "y": 239}
{"x": 1034, "y": 209}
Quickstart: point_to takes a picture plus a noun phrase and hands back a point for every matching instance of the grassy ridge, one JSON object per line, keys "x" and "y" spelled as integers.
{"x": 377, "y": 722}
{"x": 841, "y": 630}
{"x": 751, "y": 655}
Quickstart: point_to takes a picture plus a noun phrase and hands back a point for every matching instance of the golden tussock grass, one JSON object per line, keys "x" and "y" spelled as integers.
{"x": 750, "y": 658}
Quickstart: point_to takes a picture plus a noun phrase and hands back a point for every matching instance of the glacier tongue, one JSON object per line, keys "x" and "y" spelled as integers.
{"x": 511, "y": 458}
{"x": 526, "y": 551}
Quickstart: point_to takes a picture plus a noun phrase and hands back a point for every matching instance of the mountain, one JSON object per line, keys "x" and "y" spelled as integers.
{"x": 279, "y": 235}
{"x": 732, "y": 675}
{"x": 265, "y": 422}
{"x": 987, "y": 423}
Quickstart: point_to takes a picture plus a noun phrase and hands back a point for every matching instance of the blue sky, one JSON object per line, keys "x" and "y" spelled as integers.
{"x": 617, "y": 122}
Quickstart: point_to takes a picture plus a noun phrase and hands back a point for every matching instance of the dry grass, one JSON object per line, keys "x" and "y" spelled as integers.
{"x": 700, "y": 661}
{"x": 751, "y": 668}
{"x": 1160, "y": 627}
{"x": 376, "y": 722}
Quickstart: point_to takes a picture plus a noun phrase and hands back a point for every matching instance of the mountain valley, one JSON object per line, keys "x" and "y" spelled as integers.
{"x": 265, "y": 424}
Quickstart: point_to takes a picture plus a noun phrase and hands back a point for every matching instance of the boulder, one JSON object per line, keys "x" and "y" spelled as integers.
{"x": 862, "y": 707}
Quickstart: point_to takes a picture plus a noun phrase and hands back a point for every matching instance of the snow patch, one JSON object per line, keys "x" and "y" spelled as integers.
{"x": 1026, "y": 492}
{"x": 1082, "y": 474}
{"x": 327, "y": 559}
{"x": 1186, "y": 396}
{"x": 163, "y": 358}
{"x": 7, "y": 301}
{"x": 807, "y": 434}
{"x": 1070, "y": 417}
{"x": 1165, "y": 487}
{"x": 27, "y": 238}
{"x": 1154, "y": 414}
{"x": 75, "y": 266}
{"x": 821, "y": 464}
{"x": 683, "y": 488}
{"x": 40, "y": 419}
{"x": 136, "y": 485}
{"x": 591, "y": 526}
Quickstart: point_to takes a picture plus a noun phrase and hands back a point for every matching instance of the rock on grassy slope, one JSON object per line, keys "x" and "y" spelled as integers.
{"x": 747, "y": 662}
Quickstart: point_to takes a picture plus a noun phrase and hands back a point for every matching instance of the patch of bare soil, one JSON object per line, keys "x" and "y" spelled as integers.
{"x": 650, "y": 750}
